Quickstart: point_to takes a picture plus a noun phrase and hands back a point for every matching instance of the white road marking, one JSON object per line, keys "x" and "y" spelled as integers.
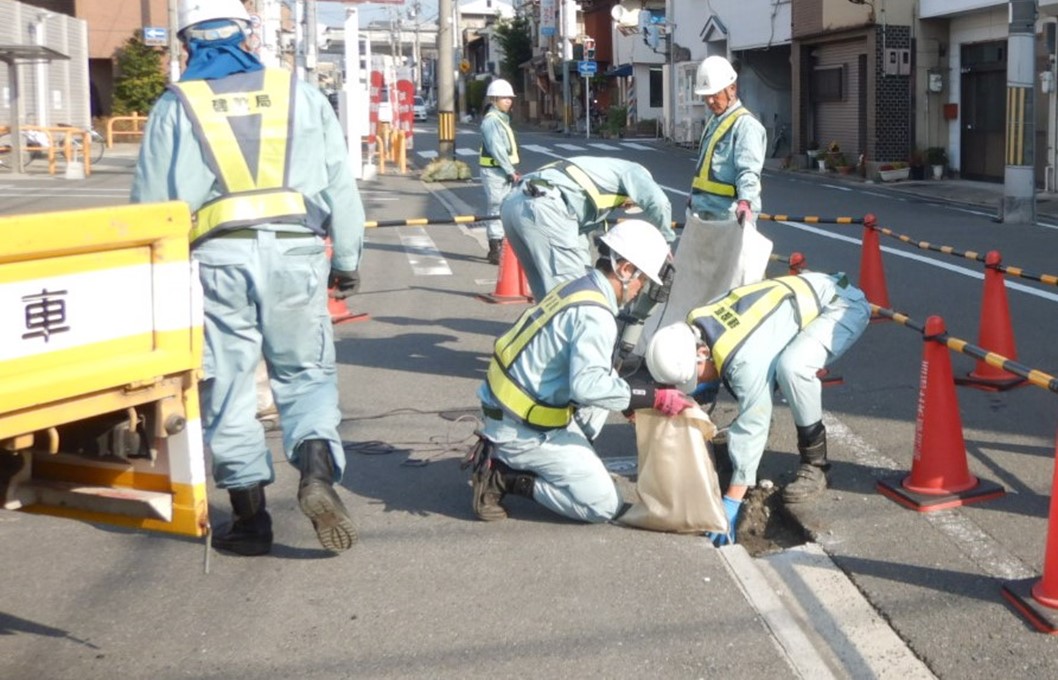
{"x": 536, "y": 148}
{"x": 427, "y": 153}
{"x": 604, "y": 146}
{"x": 423, "y": 256}
{"x": 463, "y": 151}
{"x": 636, "y": 145}
{"x": 571, "y": 147}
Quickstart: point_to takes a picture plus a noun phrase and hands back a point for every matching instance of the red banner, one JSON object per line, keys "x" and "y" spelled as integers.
{"x": 405, "y": 107}
{"x": 376, "y": 91}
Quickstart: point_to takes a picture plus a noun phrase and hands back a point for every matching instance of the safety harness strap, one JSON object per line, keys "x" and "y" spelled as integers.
{"x": 602, "y": 202}
{"x": 486, "y": 160}
{"x": 727, "y": 323}
{"x": 705, "y": 181}
{"x": 514, "y": 398}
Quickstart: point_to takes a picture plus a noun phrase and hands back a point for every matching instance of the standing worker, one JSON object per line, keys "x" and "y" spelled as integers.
{"x": 779, "y": 331}
{"x": 726, "y": 181}
{"x": 499, "y": 155}
{"x": 550, "y": 387}
{"x": 549, "y": 215}
{"x": 261, "y": 160}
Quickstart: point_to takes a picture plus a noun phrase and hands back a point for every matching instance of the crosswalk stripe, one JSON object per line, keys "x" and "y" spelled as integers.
{"x": 636, "y": 145}
{"x": 571, "y": 147}
{"x": 604, "y": 147}
{"x": 423, "y": 256}
{"x": 428, "y": 154}
{"x": 466, "y": 152}
{"x": 535, "y": 148}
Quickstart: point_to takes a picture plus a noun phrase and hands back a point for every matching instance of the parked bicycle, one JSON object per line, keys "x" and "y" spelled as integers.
{"x": 98, "y": 142}
{"x": 780, "y": 136}
{"x": 34, "y": 143}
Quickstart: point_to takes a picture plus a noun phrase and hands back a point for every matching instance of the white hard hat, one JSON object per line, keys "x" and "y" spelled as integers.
{"x": 714, "y": 74}
{"x": 639, "y": 242}
{"x": 672, "y": 354}
{"x": 191, "y": 12}
{"x": 499, "y": 88}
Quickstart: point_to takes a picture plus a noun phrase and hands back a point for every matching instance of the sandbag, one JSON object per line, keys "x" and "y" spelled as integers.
{"x": 677, "y": 486}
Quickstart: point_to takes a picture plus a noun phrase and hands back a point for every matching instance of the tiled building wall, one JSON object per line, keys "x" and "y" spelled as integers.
{"x": 892, "y": 99}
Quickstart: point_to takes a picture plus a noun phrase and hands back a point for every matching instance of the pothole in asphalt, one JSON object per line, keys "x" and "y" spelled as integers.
{"x": 764, "y": 526}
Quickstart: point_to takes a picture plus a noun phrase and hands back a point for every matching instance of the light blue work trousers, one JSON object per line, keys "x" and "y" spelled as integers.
{"x": 571, "y": 479}
{"x": 545, "y": 235}
{"x": 496, "y": 189}
{"x": 266, "y": 295}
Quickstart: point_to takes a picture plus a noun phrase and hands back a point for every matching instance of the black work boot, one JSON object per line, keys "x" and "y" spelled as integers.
{"x": 495, "y": 250}
{"x": 812, "y": 473}
{"x": 318, "y": 499}
{"x": 492, "y": 479}
{"x": 251, "y": 531}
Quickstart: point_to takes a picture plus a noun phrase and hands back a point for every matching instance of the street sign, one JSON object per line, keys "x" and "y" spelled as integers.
{"x": 587, "y": 68}
{"x": 155, "y": 36}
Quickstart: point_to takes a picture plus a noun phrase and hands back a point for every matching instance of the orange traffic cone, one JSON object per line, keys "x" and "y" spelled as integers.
{"x": 1038, "y": 600}
{"x": 511, "y": 285}
{"x": 872, "y": 274}
{"x": 798, "y": 263}
{"x": 995, "y": 333}
{"x": 940, "y": 477}
{"x": 338, "y": 309}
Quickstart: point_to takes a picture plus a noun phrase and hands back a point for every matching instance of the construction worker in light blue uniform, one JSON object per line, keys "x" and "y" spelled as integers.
{"x": 777, "y": 332}
{"x": 547, "y": 218}
{"x": 499, "y": 155}
{"x": 550, "y": 387}
{"x": 261, "y": 160}
{"x": 726, "y": 182}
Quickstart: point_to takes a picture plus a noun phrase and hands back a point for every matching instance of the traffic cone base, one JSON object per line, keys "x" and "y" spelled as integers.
{"x": 1022, "y": 595}
{"x": 989, "y": 383}
{"x": 923, "y": 500}
{"x": 511, "y": 286}
{"x": 829, "y": 380}
{"x": 340, "y": 312}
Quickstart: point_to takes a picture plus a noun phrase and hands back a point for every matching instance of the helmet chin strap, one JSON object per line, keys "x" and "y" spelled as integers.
{"x": 625, "y": 280}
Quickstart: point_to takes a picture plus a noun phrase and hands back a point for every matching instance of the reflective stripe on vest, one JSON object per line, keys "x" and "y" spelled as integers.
{"x": 249, "y": 197}
{"x": 486, "y": 160}
{"x": 728, "y": 322}
{"x": 704, "y": 181}
{"x": 601, "y": 201}
{"x": 515, "y": 399}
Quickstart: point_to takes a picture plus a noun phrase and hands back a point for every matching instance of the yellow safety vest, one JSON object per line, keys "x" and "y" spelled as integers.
{"x": 486, "y": 160}
{"x": 228, "y": 124}
{"x": 515, "y": 399}
{"x": 727, "y": 322}
{"x": 705, "y": 181}
{"x": 601, "y": 201}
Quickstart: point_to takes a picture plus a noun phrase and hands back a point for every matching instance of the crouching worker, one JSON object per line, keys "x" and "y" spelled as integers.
{"x": 780, "y": 331}
{"x": 550, "y": 387}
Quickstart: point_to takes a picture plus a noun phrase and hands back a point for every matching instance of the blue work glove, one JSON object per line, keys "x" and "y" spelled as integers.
{"x": 343, "y": 283}
{"x": 706, "y": 392}
{"x": 731, "y": 509}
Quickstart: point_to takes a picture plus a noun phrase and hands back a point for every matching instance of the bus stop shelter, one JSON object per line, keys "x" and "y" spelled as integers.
{"x": 15, "y": 56}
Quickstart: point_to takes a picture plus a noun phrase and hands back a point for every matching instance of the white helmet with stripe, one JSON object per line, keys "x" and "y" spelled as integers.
{"x": 639, "y": 242}
{"x": 191, "y": 12}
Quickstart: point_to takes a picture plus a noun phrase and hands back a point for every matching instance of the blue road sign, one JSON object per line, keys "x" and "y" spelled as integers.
{"x": 155, "y": 35}
{"x": 587, "y": 68}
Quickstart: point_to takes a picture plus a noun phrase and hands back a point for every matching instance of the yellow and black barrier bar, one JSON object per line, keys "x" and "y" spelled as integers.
{"x": 423, "y": 221}
{"x": 1037, "y": 378}
{"x": 810, "y": 219}
{"x": 1049, "y": 279}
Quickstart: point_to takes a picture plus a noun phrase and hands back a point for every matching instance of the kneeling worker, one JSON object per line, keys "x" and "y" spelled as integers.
{"x": 550, "y": 387}
{"x": 779, "y": 331}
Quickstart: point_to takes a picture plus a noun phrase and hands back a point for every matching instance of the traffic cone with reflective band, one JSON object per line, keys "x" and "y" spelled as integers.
{"x": 872, "y": 273}
{"x": 338, "y": 309}
{"x": 1037, "y": 600}
{"x": 995, "y": 333}
{"x": 940, "y": 477}
{"x": 511, "y": 285}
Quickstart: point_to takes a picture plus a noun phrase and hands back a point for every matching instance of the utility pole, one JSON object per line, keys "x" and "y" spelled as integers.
{"x": 311, "y": 54}
{"x": 1019, "y": 178}
{"x": 174, "y": 43}
{"x": 567, "y": 24}
{"x": 457, "y": 41}
{"x": 417, "y": 52}
{"x": 446, "y": 128}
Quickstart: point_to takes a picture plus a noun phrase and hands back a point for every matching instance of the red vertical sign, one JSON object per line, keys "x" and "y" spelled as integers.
{"x": 405, "y": 102}
{"x": 376, "y": 90}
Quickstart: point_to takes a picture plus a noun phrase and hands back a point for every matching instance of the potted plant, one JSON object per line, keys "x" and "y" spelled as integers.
{"x": 917, "y": 162}
{"x": 937, "y": 157}
{"x": 891, "y": 172}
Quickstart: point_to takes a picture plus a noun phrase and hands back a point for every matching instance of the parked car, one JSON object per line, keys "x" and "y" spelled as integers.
{"x": 419, "y": 108}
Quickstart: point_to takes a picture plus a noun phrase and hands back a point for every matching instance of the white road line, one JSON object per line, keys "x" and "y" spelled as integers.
{"x": 604, "y": 147}
{"x": 571, "y": 147}
{"x": 423, "y": 256}
{"x": 636, "y": 145}
{"x": 463, "y": 151}
{"x": 1014, "y": 285}
{"x": 536, "y": 148}
{"x": 427, "y": 153}
{"x": 835, "y": 186}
